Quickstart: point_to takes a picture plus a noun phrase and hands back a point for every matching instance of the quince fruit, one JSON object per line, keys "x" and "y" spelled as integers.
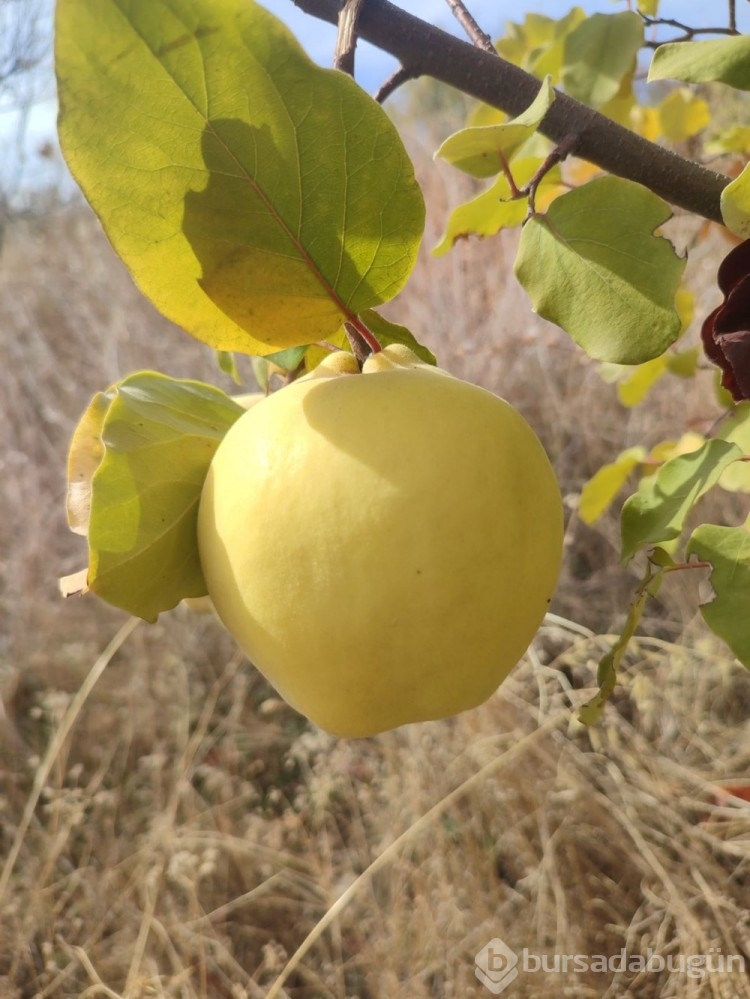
{"x": 383, "y": 545}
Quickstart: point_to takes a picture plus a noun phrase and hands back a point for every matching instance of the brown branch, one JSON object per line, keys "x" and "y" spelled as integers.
{"x": 401, "y": 76}
{"x": 346, "y": 42}
{"x": 470, "y": 26}
{"x": 688, "y": 33}
{"x": 424, "y": 49}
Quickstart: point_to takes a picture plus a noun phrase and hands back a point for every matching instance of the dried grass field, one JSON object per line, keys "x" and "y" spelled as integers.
{"x": 168, "y": 828}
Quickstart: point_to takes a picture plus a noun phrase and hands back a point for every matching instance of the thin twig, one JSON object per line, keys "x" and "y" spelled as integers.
{"x": 470, "y": 26}
{"x": 346, "y": 42}
{"x": 688, "y": 33}
{"x": 558, "y": 154}
{"x": 402, "y": 75}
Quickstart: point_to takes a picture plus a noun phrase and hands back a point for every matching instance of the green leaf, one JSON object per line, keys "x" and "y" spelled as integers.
{"x": 257, "y": 199}
{"x": 482, "y": 150}
{"x": 287, "y": 360}
{"x": 736, "y": 430}
{"x": 495, "y": 208}
{"x": 228, "y": 365}
{"x": 387, "y": 332}
{"x": 593, "y": 265}
{"x": 284, "y": 362}
{"x": 728, "y": 551}
{"x": 599, "y": 492}
{"x": 735, "y": 204}
{"x": 657, "y": 511}
{"x": 721, "y": 60}
{"x": 158, "y": 436}
{"x": 599, "y": 54}
{"x": 684, "y": 363}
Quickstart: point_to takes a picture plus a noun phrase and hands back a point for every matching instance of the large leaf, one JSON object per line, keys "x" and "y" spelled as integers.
{"x": 154, "y": 446}
{"x": 599, "y": 54}
{"x": 483, "y": 150}
{"x": 257, "y": 199}
{"x": 657, "y": 511}
{"x": 723, "y": 60}
{"x": 593, "y": 265}
{"x": 728, "y": 614}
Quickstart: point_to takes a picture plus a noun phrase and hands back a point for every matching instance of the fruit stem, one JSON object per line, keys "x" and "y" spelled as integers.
{"x": 362, "y": 341}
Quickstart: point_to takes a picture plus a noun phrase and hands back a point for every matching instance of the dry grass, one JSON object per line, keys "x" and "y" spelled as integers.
{"x": 169, "y": 829}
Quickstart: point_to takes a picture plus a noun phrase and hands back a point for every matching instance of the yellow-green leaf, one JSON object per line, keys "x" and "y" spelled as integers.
{"x": 593, "y": 265}
{"x": 736, "y": 429}
{"x": 735, "y": 204}
{"x": 257, "y": 199}
{"x": 495, "y": 209}
{"x": 684, "y": 363}
{"x": 657, "y": 511}
{"x": 721, "y": 60}
{"x": 600, "y": 491}
{"x": 665, "y": 450}
{"x": 683, "y": 115}
{"x": 157, "y": 438}
{"x": 482, "y": 150}
{"x": 599, "y": 54}
{"x": 727, "y": 549}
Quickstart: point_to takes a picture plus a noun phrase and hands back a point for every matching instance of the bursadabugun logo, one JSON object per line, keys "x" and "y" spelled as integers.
{"x": 496, "y": 966}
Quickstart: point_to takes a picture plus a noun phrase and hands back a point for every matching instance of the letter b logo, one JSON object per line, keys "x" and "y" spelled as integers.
{"x": 496, "y": 966}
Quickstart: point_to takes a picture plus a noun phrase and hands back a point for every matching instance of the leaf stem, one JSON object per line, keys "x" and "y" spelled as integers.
{"x": 558, "y": 154}
{"x": 679, "y": 566}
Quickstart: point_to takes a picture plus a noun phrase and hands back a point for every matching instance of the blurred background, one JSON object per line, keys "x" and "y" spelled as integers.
{"x": 179, "y": 831}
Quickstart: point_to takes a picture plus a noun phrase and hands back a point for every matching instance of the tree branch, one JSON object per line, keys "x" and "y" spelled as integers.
{"x": 346, "y": 42}
{"x": 424, "y": 49}
{"x": 470, "y": 26}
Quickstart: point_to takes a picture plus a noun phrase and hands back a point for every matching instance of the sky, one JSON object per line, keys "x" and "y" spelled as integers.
{"x": 23, "y": 168}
